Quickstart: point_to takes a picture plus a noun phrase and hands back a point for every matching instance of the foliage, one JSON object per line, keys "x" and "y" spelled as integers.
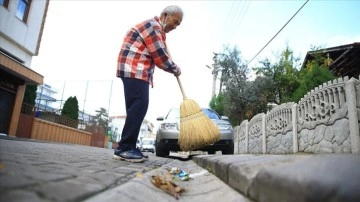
{"x": 278, "y": 82}
{"x": 71, "y": 108}
{"x": 30, "y": 95}
{"x": 284, "y": 76}
{"x": 101, "y": 118}
{"x": 258, "y": 93}
{"x": 232, "y": 83}
{"x": 217, "y": 103}
{"x": 315, "y": 74}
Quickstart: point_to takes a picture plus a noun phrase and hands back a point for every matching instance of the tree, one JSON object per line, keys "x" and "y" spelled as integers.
{"x": 284, "y": 76}
{"x": 217, "y": 104}
{"x": 315, "y": 74}
{"x": 232, "y": 83}
{"x": 71, "y": 108}
{"x": 30, "y": 95}
{"x": 258, "y": 93}
{"x": 101, "y": 118}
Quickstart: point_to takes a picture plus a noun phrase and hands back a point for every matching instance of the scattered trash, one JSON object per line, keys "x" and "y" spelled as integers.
{"x": 167, "y": 185}
{"x": 204, "y": 172}
{"x": 139, "y": 175}
{"x": 180, "y": 174}
{"x": 174, "y": 170}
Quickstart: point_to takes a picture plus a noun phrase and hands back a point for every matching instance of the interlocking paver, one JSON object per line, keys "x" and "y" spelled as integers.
{"x": 43, "y": 171}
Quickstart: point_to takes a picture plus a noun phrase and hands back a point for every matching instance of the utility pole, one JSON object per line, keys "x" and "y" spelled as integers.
{"x": 62, "y": 96}
{"x": 83, "y": 111}
{"x": 214, "y": 80}
{"x": 215, "y": 73}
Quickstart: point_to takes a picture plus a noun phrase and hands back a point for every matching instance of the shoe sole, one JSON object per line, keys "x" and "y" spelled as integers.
{"x": 128, "y": 160}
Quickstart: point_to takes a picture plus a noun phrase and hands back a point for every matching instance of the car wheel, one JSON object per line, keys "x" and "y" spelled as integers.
{"x": 161, "y": 152}
{"x": 211, "y": 152}
{"x": 227, "y": 152}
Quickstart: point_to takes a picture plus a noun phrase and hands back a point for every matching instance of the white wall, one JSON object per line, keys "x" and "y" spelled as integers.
{"x": 18, "y": 38}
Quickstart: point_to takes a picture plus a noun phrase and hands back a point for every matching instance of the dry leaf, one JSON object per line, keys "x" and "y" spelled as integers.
{"x": 139, "y": 174}
{"x": 167, "y": 185}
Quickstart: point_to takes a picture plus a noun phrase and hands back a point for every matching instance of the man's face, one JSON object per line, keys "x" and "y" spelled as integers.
{"x": 172, "y": 21}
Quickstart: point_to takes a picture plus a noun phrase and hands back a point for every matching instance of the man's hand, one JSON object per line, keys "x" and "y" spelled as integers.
{"x": 177, "y": 71}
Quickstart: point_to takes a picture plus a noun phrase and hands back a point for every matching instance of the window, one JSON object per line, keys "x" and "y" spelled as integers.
{"x": 4, "y": 3}
{"x": 23, "y": 9}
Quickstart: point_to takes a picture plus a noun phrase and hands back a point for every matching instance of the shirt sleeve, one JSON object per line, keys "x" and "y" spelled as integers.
{"x": 156, "y": 45}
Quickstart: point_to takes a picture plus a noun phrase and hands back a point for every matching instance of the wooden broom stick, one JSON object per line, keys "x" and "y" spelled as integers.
{"x": 181, "y": 88}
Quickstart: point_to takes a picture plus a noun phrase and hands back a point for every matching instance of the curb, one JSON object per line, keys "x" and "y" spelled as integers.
{"x": 297, "y": 178}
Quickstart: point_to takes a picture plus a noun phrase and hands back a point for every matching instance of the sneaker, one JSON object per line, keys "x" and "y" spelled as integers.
{"x": 140, "y": 153}
{"x": 130, "y": 156}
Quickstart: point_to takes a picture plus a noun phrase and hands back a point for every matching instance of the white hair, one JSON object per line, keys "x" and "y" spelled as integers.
{"x": 171, "y": 10}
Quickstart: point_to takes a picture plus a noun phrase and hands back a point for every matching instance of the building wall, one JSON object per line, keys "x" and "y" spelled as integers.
{"x": 18, "y": 38}
{"x": 19, "y": 42}
{"x": 45, "y": 97}
{"x": 117, "y": 124}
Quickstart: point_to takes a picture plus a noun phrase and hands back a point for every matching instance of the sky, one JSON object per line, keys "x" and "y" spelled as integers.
{"x": 82, "y": 39}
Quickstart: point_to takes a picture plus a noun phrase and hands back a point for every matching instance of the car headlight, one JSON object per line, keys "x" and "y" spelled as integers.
{"x": 168, "y": 126}
{"x": 224, "y": 126}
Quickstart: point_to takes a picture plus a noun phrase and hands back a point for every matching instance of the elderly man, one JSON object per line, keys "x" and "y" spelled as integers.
{"x": 144, "y": 47}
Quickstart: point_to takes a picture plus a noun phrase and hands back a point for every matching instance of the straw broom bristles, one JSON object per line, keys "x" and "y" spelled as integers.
{"x": 196, "y": 128}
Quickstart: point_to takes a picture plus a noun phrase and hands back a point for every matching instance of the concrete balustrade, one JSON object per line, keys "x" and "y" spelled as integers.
{"x": 325, "y": 120}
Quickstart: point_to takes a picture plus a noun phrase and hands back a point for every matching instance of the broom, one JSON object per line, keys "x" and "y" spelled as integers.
{"x": 196, "y": 128}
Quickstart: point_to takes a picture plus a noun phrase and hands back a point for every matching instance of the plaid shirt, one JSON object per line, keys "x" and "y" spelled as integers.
{"x": 144, "y": 47}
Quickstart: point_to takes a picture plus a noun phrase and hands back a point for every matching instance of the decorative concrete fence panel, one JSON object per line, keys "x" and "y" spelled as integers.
{"x": 326, "y": 120}
{"x": 236, "y": 139}
{"x": 323, "y": 122}
{"x": 241, "y": 138}
{"x": 256, "y": 132}
{"x": 279, "y": 133}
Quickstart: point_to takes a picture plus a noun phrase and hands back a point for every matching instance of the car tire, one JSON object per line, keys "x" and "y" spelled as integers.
{"x": 211, "y": 152}
{"x": 229, "y": 151}
{"x": 161, "y": 152}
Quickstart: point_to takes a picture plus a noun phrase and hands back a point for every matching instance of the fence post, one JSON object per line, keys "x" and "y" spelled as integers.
{"x": 294, "y": 126}
{"x": 246, "y": 137}
{"x": 236, "y": 139}
{"x": 353, "y": 119}
{"x": 263, "y": 127}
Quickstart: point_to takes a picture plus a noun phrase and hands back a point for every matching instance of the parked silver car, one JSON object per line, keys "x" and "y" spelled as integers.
{"x": 168, "y": 134}
{"x": 148, "y": 144}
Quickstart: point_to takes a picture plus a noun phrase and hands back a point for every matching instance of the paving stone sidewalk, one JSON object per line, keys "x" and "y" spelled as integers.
{"x": 42, "y": 171}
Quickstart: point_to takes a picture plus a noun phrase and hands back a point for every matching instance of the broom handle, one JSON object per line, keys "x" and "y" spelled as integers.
{"x": 181, "y": 88}
{"x": 178, "y": 79}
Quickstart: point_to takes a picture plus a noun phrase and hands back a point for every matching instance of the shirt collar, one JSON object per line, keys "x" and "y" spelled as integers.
{"x": 158, "y": 20}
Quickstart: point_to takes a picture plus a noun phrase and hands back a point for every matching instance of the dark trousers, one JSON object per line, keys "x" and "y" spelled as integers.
{"x": 136, "y": 93}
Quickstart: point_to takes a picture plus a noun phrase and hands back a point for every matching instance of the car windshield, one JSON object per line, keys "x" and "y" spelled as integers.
{"x": 211, "y": 114}
{"x": 175, "y": 113}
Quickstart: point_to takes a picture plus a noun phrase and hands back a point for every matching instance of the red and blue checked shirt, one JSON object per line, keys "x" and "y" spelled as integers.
{"x": 144, "y": 47}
